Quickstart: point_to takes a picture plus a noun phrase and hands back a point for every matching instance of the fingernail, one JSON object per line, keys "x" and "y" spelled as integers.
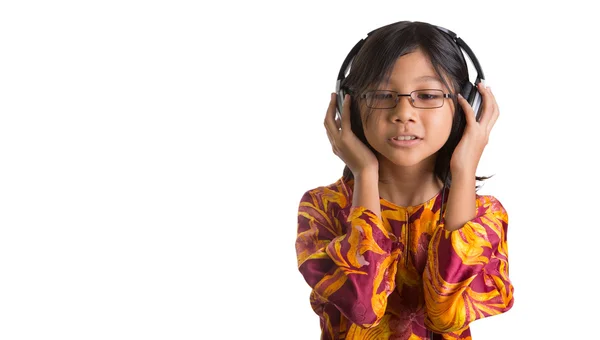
{"x": 483, "y": 83}
{"x": 460, "y": 95}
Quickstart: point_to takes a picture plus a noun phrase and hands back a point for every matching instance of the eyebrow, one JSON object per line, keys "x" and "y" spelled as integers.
{"x": 425, "y": 78}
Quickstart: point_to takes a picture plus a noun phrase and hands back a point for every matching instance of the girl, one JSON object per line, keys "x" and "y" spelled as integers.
{"x": 402, "y": 247}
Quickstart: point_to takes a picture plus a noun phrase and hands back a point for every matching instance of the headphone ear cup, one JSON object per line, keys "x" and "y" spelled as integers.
{"x": 340, "y": 101}
{"x": 476, "y": 103}
{"x": 473, "y": 97}
{"x": 467, "y": 91}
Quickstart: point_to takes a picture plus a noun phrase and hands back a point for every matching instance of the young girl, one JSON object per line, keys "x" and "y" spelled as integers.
{"x": 402, "y": 247}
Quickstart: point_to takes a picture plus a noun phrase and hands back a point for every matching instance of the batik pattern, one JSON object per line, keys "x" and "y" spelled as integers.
{"x": 402, "y": 276}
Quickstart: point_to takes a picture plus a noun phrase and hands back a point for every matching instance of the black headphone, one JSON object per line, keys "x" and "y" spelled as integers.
{"x": 469, "y": 91}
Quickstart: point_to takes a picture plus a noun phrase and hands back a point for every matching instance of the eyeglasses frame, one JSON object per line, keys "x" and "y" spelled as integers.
{"x": 412, "y": 101}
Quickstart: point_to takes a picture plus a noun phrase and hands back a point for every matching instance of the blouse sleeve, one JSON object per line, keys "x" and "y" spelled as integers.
{"x": 466, "y": 276}
{"x": 348, "y": 262}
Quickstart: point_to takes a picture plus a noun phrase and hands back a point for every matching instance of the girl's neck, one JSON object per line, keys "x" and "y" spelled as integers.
{"x": 408, "y": 186}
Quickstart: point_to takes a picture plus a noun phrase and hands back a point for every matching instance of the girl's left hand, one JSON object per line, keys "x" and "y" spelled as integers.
{"x": 468, "y": 152}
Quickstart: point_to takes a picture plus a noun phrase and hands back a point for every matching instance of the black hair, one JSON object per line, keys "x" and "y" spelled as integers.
{"x": 373, "y": 65}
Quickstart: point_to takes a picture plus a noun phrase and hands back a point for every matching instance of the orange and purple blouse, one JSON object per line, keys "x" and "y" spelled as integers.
{"x": 402, "y": 276}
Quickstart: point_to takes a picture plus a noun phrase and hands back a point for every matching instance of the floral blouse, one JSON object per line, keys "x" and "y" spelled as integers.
{"x": 402, "y": 276}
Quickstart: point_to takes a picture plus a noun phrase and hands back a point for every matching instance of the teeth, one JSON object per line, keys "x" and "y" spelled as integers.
{"x": 405, "y": 138}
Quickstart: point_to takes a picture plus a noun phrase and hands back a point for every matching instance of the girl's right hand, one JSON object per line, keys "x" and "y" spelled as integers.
{"x": 351, "y": 150}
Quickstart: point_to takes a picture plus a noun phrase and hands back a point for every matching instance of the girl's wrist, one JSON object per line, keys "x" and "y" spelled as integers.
{"x": 367, "y": 173}
{"x": 463, "y": 174}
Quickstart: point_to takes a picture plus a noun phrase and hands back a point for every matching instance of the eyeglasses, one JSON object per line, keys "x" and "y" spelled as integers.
{"x": 420, "y": 99}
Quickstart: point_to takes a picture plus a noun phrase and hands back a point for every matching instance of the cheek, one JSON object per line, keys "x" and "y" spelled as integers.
{"x": 374, "y": 128}
{"x": 447, "y": 123}
{"x": 442, "y": 124}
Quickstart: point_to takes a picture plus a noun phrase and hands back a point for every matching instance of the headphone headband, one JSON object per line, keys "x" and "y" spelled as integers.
{"x": 346, "y": 64}
{"x": 463, "y": 45}
{"x": 459, "y": 41}
{"x": 469, "y": 91}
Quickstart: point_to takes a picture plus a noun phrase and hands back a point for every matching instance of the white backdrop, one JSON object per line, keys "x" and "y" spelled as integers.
{"x": 153, "y": 155}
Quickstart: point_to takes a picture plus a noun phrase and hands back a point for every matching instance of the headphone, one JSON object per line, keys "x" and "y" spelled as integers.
{"x": 469, "y": 90}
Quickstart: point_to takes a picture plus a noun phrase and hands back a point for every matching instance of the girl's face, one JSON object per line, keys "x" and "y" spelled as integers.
{"x": 385, "y": 128}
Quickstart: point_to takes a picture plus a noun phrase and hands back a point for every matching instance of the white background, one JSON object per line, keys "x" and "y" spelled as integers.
{"x": 153, "y": 155}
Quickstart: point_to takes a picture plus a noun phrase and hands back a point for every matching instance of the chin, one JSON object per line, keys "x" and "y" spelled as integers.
{"x": 406, "y": 161}
{"x": 409, "y": 159}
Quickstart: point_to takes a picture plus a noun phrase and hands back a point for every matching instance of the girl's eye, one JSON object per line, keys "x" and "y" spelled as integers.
{"x": 380, "y": 96}
{"x": 428, "y": 96}
{"x": 428, "y": 99}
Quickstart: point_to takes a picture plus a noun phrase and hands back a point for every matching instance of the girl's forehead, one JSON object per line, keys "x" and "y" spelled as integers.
{"x": 419, "y": 79}
{"x": 413, "y": 69}
{"x": 413, "y": 65}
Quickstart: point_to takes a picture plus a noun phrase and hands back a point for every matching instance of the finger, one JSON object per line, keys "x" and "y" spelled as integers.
{"x": 495, "y": 109}
{"x": 492, "y": 122}
{"x": 468, "y": 110}
{"x": 495, "y": 101}
{"x": 329, "y": 121}
{"x": 338, "y": 123}
{"x": 332, "y": 141}
{"x": 330, "y": 137}
{"x": 346, "y": 114}
{"x": 332, "y": 132}
{"x": 487, "y": 102}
